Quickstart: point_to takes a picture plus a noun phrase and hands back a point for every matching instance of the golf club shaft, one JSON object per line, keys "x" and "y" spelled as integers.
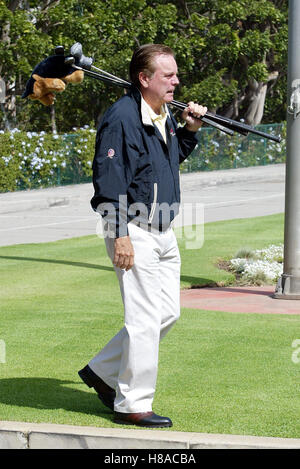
{"x": 221, "y": 123}
{"x": 236, "y": 126}
{"x": 113, "y": 80}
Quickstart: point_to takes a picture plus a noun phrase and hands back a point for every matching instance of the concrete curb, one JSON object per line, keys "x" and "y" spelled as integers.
{"x": 22, "y": 201}
{"x": 21, "y": 435}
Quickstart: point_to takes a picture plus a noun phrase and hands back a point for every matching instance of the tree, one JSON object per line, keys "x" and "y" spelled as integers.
{"x": 231, "y": 54}
{"x": 240, "y": 61}
{"x": 21, "y": 45}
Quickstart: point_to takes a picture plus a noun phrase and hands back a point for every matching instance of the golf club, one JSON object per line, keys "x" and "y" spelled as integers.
{"x": 80, "y": 62}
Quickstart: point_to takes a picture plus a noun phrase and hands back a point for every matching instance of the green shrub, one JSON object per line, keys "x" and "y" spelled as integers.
{"x": 31, "y": 160}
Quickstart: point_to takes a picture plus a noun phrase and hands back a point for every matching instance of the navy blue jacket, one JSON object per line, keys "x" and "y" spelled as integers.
{"x": 135, "y": 173}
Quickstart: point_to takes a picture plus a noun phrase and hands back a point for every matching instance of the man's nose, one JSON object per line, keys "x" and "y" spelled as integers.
{"x": 175, "y": 80}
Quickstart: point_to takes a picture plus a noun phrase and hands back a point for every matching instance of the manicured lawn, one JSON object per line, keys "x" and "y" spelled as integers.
{"x": 219, "y": 372}
{"x": 223, "y": 240}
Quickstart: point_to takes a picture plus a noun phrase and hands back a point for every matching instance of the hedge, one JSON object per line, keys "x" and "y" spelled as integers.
{"x": 30, "y": 160}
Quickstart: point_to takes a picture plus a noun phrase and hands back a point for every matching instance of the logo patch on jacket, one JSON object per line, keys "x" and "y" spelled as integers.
{"x": 172, "y": 133}
{"x": 111, "y": 153}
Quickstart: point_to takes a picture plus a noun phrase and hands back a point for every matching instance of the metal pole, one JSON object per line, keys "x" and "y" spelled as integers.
{"x": 289, "y": 284}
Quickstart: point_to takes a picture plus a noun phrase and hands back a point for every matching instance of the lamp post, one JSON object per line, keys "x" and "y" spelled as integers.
{"x": 289, "y": 284}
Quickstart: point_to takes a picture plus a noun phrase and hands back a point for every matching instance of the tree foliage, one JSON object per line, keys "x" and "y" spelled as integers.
{"x": 231, "y": 55}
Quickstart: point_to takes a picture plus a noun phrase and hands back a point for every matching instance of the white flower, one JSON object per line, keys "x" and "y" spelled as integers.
{"x": 271, "y": 270}
{"x": 272, "y": 253}
{"x": 265, "y": 262}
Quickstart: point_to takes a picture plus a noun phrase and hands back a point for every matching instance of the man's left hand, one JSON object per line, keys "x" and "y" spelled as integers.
{"x": 193, "y": 123}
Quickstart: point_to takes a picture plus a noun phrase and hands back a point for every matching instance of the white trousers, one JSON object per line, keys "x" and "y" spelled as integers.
{"x": 151, "y": 298}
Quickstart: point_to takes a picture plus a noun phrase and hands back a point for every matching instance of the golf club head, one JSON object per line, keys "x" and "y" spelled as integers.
{"x": 59, "y": 50}
{"x": 80, "y": 59}
{"x": 69, "y": 60}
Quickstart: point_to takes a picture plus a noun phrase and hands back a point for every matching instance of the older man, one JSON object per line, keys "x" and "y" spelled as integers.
{"x": 136, "y": 180}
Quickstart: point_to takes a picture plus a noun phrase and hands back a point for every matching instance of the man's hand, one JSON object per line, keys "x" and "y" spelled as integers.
{"x": 124, "y": 253}
{"x": 192, "y": 123}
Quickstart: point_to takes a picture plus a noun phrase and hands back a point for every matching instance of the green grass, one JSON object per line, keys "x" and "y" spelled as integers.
{"x": 221, "y": 241}
{"x": 219, "y": 372}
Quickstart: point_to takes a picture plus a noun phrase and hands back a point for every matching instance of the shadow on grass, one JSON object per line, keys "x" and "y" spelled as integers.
{"x": 51, "y": 394}
{"x": 196, "y": 282}
{"x": 57, "y": 261}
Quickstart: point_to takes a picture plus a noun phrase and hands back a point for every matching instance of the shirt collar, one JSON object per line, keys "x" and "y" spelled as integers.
{"x": 149, "y": 116}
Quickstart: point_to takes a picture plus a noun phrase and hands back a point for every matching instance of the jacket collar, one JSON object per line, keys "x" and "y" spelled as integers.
{"x": 145, "y": 115}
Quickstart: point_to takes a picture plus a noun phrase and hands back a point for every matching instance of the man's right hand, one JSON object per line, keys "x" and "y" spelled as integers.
{"x": 124, "y": 253}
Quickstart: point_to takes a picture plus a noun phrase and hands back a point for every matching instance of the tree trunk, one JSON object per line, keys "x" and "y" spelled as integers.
{"x": 53, "y": 120}
{"x": 232, "y": 111}
{"x": 255, "y": 110}
{"x": 10, "y": 101}
{"x": 257, "y": 98}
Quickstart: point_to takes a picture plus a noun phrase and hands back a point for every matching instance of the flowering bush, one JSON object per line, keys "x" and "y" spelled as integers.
{"x": 260, "y": 266}
{"x": 31, "y": 159}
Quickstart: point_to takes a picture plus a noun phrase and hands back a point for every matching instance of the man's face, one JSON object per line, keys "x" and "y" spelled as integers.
{"x": 159, "y": 88}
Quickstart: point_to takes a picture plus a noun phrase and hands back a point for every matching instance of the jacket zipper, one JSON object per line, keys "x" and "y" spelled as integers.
{"x": 154, "y": 203}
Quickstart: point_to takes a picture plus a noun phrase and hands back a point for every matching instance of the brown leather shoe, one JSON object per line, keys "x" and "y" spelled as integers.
{"x": 105, "y": 393}
{"x": 143, "y": 419}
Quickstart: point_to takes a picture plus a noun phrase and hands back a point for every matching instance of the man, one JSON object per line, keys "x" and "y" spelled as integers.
{"x": 136, "y": 181}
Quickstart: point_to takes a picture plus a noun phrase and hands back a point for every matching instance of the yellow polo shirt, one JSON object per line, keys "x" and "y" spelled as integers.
{"x": 158, "y": 119}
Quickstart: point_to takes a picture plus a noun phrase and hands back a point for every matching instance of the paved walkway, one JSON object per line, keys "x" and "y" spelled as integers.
{"x": 239, "y": 300}
{"x": 43, "y": 215}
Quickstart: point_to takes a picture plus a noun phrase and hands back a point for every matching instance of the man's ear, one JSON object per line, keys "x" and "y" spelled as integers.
{"x": 144, "y": 79}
